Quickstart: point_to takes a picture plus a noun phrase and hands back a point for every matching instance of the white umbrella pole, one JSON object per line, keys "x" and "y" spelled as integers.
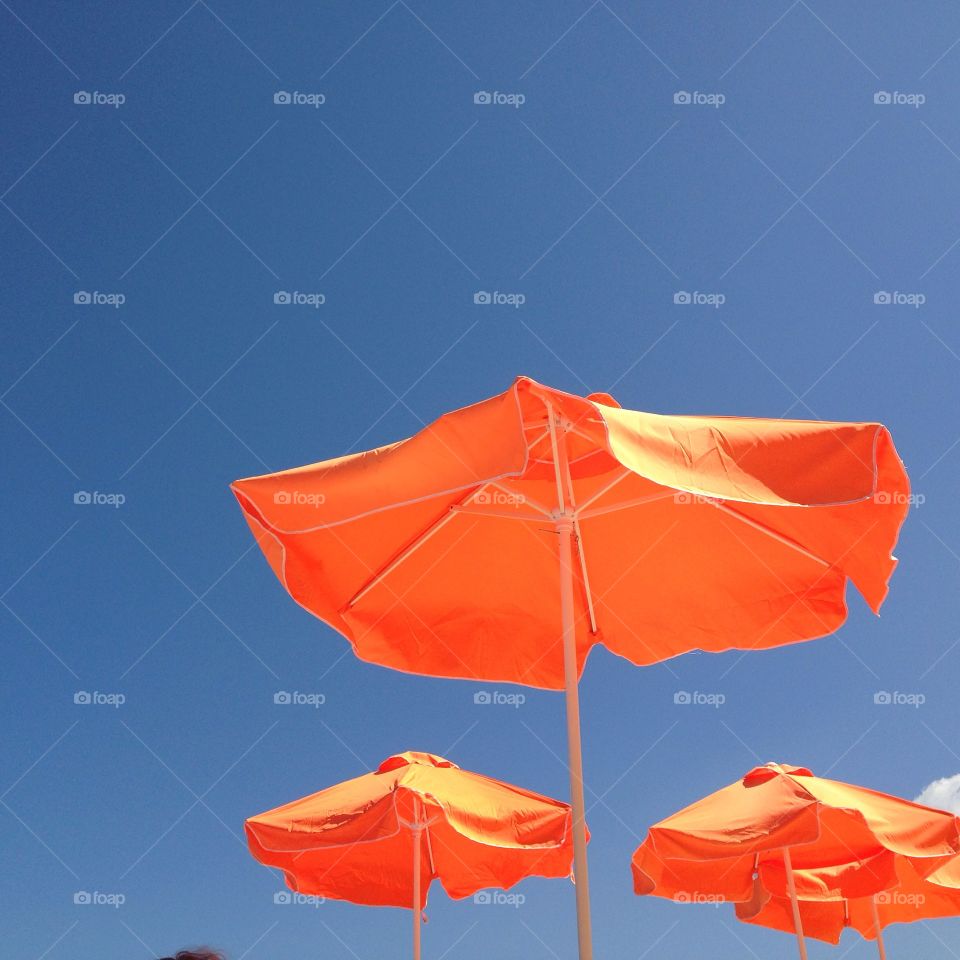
{"x": 877, "y": 930}
{"x": 565, "y": 533}
{"x": 564, "y": 526}
{"x": 417, "y": 831}
{"x": 792, "y": 890}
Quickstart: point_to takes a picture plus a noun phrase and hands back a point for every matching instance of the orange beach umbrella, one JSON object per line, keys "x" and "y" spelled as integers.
{"x": 782, "y": 833}
{"x": 381, "y": 838}
{"x": 506, "y": 539}
{"x": 914, "y": 898}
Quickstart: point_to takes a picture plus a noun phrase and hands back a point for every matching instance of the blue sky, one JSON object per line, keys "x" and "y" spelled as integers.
{"x": 798, "y": 200}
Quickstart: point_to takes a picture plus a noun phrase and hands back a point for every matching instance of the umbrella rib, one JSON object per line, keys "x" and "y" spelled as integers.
{"x": 624, "y": 505}
{"x": 581, "y": 434}
{"x": 583, "y": 456}
{"x": 475, "y": 512}
{"x": 763, "y": 528}
{"x": 460, "y": 507}
{"x": 426, "y": 831}
{"x": 543, "y": 435}
{"x": 716, "y": 504}
{"x": 529, "y": 501}
{"x": 605, "y": 489}
{"x": 411, "y": 548}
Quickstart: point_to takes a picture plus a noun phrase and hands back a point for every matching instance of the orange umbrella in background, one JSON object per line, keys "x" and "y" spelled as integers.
{"x": 506, "y": 539}
{"x": 380, "y": 839}
{"x": 783, "y": 833}
{"x": 914, "y": 898}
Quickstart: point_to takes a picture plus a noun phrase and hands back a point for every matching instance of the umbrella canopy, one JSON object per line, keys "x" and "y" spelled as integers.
{"x": 438, "y": 554}
{"x": 844, "y": 841}
{"x": 356, "y": 841}
{"x": 914, "y": 898}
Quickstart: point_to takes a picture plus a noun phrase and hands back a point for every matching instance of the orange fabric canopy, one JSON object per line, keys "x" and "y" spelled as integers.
{"x": 354, "y": 841}
{"x": 438, "y": 554}
{"x": 914, "y": 898}
{"x": 845, "y": 842}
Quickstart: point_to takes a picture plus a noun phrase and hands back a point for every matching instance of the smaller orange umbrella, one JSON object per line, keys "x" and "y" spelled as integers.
{"x": 915, "y": 898}
{"x": 782, "y": 832}
{"x": 380, "y": 839}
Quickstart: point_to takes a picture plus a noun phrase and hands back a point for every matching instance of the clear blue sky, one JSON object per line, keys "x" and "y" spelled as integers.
{"x": 598, "y": 199}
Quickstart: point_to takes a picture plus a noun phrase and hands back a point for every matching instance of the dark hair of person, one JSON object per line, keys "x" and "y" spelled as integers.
{"x": 201, "y": 953}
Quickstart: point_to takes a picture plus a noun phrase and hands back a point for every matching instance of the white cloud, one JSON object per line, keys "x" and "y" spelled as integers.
{"x": 943, "y": 794}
